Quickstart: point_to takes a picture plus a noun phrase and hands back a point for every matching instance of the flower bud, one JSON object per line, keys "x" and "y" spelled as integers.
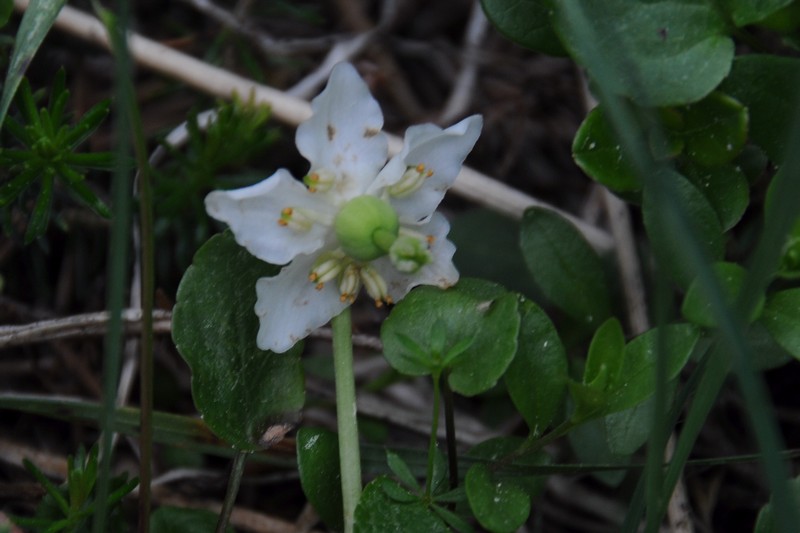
{"x": 366, "y": 227}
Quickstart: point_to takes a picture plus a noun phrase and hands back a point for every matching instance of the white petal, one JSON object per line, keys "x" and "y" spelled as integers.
{"x": 253, "y": 213}
{"x": 442, "y": 152}
{"x": 289, "y": 306}
{"x": 344, "y": 132}
{"x": 440, "y": 272}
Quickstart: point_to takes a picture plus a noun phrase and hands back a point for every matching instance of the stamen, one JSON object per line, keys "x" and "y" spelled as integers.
{"x": 327, "y": 267}
{"x": 375, "y": 285}
{"x": 320, "y": 180}
{"x": 349, "y": 283}
{"x": 411, "y": 181}
{"x": 296, "y": 219}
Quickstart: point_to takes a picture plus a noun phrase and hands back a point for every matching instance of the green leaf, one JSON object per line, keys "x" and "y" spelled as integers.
{"x": 36, "y": 22}
{"x": 467, "y": 313}
{"x": 564, "y": 266}
{"x": 496, "y": 448}
{"x": 599, "y": 152}
{"x": 525, "y": 22}
{"x": 590, "y": 443}
{"x": 697, "y": 307}
{"x": 378, "y": 511}
{"x": 6, "y": 8}
{"x": 767, "y": 85}
{"x": 318, "y": 465}
{"x": 167, "y": 519}
{"x": 726, "y": 189}
{"x": 482, "y": 233}
{"x": 765, "y": 523}
{"x": 659, "y": 53}
{"x": 714, "y": 129}
{"x": 744, "y": 12}
{"x": 628, "y": 430}
{"x": 240, "y": 390}
{"x": 669, "y": 248}
{"x": 637, "y": 379}
{"x": 537, "y": 377}
{"x": 41, "y": 211}
{"x": 401, "y": 470}
{"x": 781, "y": 317}
{"x": 500, "y": 505}
{"x": 606, "y": 352}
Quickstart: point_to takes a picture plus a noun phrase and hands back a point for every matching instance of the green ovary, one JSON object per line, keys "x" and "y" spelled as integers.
{"x": 366, "y": 228}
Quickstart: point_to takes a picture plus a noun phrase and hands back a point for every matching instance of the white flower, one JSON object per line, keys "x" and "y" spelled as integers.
{"x": 354, "y": 220}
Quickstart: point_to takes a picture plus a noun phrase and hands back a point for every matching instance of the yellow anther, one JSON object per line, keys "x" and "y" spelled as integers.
{"x": 420, "y": 168}
{"x": 319, "y": 286}
{"x": 313, "y": 277}
{"x": 430, "y": 239}
{"x": 297, "y": 219}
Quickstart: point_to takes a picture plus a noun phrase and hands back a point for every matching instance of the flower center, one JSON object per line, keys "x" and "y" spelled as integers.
{"x": 366, "y": 227}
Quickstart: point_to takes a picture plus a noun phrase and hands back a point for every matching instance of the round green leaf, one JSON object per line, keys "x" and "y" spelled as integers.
{"x": 669, "y": 247}
{"x": 240, "y": 390}
{"x": 744, "y": 12}
{"x": 479, "y": 311}
{"x": 525, "y": 22}
{"x": 767, "y": 85}
{"x": 659, "y": 53}
{"x": 387, "y": 506}
{"x": 697, "y": 307}
{"x": 496, "y": 448}
{"x": 715, "y": 129}
{"x": 726, "y": 189}
{"x": 598, "y": 151}
{"x": 537, "y": 377}
{"x": 637, "y": 378}
{"x": 500, "y": 505}
{"x": 564, "y": 266}
{"x": 320, "y": 477}
{"x": 781, "y": 317}
{"x": 606, "y": 353}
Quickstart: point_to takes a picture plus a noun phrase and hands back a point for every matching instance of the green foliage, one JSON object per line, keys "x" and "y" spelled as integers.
{"x": 697, "y": 307}
{"x": 468, "y": 332}
{"x": 179, "y": 520}
{"x": 36, "y": 22}
{"x": 318, "y": 465}
{"x": 536, "y": 379}
{"x": 47, "y": 149}
{"x": 568, "y": 271}
{"x": 615, "y": 380}
{"x": 219, "y": 148}
{"x": 240, "y": 390}
{"x": 70, "y": 507}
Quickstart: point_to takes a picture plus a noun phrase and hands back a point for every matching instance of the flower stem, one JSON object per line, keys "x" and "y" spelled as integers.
{"x": 233, "y": 489}
{"x": 450, "y": 429}
{"x": 349, "y": 459}
{"x": 434, "y": 429}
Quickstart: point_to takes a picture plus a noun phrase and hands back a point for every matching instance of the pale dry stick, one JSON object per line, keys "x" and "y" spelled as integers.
{"x": 464, "y": 86}
{"x": 95, "y": 324}
{"x": 470, "y": 183}
{"x": 343, "y": 51}
{"x": 636, "y": 306}
{"x": 267, "y": 45}
{"x": 241, "y": 518}
{"x": 88, "y": 324}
